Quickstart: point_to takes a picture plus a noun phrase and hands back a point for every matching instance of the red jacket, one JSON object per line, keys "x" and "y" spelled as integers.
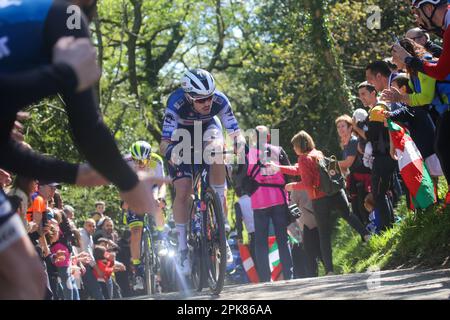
{"x": 307, "y": 168}
{"x": 441, "y": 70}
{"x": 107, "y": 269}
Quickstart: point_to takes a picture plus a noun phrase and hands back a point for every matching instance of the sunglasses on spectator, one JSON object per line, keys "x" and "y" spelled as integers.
{"x": 417, "y": 37}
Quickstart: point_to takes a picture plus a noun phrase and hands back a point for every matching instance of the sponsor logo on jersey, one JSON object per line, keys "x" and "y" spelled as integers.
{"x": 169, "y": 118}
{"x": 5, "y": 206}
{"x": 4, "y": 50}
{"x": 218, "y": 100}
{"x": 8, "y": 3}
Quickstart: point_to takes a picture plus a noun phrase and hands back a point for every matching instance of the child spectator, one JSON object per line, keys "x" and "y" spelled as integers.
{"x": 105, "y": 263}
{"x": 374, "y": 219}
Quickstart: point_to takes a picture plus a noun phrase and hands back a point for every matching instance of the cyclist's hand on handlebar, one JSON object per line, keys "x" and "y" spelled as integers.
{"x": 81, "y": 56}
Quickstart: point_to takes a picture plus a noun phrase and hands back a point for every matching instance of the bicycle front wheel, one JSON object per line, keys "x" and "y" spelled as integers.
{"x": 149, "y": 259}
{"x": 214, "y": 241}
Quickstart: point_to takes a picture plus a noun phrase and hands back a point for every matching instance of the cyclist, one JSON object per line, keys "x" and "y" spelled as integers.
{"x": 44, "y": 22}
{"x": 29, "y": 31}
{"x": 196, "y": 100}
{"x": 142, "y": 158}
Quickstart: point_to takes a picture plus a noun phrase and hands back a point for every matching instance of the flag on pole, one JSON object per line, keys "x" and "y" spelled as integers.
{"x": 274, "y": 259}
{"x": 412, "y": 167}
{"x": 247, "y": 262}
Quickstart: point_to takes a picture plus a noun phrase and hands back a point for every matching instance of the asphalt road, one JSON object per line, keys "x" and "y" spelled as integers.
{"x": 404, "y": 284}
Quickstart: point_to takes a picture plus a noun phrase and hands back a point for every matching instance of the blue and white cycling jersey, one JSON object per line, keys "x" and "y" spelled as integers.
{"x": 180, "y": 113}
{"x": 22, "y": 25}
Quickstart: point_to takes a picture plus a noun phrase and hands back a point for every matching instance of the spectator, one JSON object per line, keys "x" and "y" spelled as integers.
{"x": 269, "y": 201}
{"x": 360, "y": 121}
{"x": 323, "y": 204}
{"x": 57, "y": 200}
{"x": 70, "y": 214}
{"x": 310, "y": 233}
{"x": 79, "y": 259}
{"x": 358, "y": 178}
{"x": 244, "y": 213}
{"x": 432, "y": 16}
{"x": 392, "y": 66}
{"x": 87, "y": 245}
{"x": 106, "y": 231}
{"x": 374, "y": 224}
{"x": 24, "y": 187}
{"x": 62, "y": 262}
{"x": 421, "y": 129}
{"x": 98, "y": 215}
{"x": 124, "y": 255}
{"x": 39, "y": 213}
{"x": 105, "y": 264}
{"x": 368, "y": 96}
{"x": 419, "y": 93}
{"x": 422, "y": 38}
{"x": 5, "y": 178}
{"x": 384, "y": 166}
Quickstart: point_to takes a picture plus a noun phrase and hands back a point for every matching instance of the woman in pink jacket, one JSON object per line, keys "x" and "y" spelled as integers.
{"x": 269, "y": 203}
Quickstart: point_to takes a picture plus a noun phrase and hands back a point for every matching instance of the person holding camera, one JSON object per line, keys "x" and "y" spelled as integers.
{"x": 265, "y": 185}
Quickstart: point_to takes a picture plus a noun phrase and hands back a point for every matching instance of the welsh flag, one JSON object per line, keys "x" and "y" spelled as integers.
{"x": 274, "y": 259}
{"x": 412, "y": 167}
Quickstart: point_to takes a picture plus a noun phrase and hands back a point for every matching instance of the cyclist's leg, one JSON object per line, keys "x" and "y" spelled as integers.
{"x": 161, "y": 234}
{"x": 213, "y": 142}
{"x": 135, "y": 223}
{"x": 181, "y": 205}
{"x": 22, "y": 275}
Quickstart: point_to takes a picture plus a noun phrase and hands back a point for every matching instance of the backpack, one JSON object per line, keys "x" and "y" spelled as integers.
{"x": 331, "y": 179}
{"x": 249, "y": 183}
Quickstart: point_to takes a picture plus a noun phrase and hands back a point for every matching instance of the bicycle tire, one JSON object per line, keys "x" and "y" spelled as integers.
{"x": 149, "y": 276}
{"x": 196, "y": 253}
{"x": 214, "y": 242}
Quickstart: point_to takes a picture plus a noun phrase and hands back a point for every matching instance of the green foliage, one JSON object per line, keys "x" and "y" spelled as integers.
{"x": 421, "y": 239}
{"x": 288, "y": 64}
{"x": 83, "y": 200}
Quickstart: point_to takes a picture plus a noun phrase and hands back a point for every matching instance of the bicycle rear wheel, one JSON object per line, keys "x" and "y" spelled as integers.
{"x": 215, "y": 253}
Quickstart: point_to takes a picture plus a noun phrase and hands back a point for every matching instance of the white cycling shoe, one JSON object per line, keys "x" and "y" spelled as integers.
{"x": 229, "y": 254}
{"x": 183, "y": 263}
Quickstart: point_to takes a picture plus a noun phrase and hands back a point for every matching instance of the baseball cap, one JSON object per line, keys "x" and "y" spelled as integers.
{"x": 48, "y": 183}
{"x": 68, "y": 208}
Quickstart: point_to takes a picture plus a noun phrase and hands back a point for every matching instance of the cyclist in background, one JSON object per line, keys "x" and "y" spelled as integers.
{"x": 141, "y": 158}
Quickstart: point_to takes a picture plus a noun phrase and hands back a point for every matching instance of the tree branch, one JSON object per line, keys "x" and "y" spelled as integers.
{"x": 221, "y": 35}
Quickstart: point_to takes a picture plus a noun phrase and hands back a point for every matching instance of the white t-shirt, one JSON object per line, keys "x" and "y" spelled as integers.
{"x": 247, "y": 213}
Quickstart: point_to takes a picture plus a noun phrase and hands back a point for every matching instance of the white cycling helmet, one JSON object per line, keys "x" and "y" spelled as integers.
{"x": 198, "y": 83}
{"x": 419, "y": 3}
{"x": 360, "y": 115}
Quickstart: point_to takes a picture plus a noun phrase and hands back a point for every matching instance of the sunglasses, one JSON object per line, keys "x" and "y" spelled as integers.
{"x": 201, "y": 100}
{"x": 142, "y": 162}
{"x": 418, "y": 37}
